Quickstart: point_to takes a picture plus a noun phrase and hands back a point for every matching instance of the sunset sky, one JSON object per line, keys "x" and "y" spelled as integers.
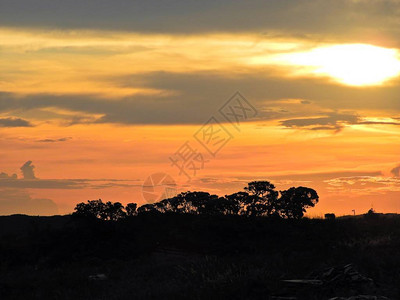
{"x": 96, "y": 96}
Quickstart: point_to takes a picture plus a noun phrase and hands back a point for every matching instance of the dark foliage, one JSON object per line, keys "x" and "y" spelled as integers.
{"x": 97, "y": 209}
{"x": 131, "y": 209}
{"x": 259, "y": 199}
{"x": 294, "y": 201}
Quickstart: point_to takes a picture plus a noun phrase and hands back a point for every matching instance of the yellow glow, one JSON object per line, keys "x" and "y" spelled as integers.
{"x": 93, "y": 62}
{"x": 351, "y": 64}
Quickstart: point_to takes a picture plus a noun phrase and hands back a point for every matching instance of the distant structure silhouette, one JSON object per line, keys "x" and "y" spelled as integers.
{"x": 27, "y": 170}
{"x": 330, "y": 216}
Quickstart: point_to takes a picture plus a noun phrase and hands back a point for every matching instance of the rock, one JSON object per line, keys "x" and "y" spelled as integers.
{"x": 346, "y": 274}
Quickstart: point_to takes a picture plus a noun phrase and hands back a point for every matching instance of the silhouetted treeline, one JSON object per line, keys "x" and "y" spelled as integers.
{"x": 259, "y": 198}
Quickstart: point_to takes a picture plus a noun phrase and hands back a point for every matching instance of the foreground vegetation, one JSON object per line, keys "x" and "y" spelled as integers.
{"x": 193, "y": 256}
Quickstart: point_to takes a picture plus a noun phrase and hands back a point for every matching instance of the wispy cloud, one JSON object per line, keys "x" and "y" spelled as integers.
{"x": 364, "y": 184}
{"x": 48, "y": 140}
{"x": 30, "y": 181}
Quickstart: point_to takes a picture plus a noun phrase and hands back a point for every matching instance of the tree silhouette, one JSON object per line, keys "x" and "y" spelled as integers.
{"x": 196, "y": 202}
{"x": 97, "y": 209}
{"x": 259, "y": 188}
{"x": 294, "y": 201}
{"x": 91, "y": 209}
{"x": 131, "y": 209}
{"x": 259, "y": 199}
{"x": 113, "y": 211}
{"x": 228, "y": 205}
{"x": 262, "y": 199}
{"x": 234, "y": 203}
{"x": 146, "y": 208}
{"x": 186, "y": 202}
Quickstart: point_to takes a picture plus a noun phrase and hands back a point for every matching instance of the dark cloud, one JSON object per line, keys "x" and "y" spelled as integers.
{"x": 395, "y": 171}
{"x": 64, "y": 184}
{"x": 378, "y": 123}
{"x": 14, "y": 122}
{"x": 333, "y": 121}
{"x": 54, "y": 140}
{"x": 43, "y": 183}
{"x": 364, "y": 19}
{"x": 195, "y": 97}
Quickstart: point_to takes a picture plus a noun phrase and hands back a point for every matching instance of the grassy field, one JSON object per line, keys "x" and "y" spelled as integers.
{"x": 169, "y": 256}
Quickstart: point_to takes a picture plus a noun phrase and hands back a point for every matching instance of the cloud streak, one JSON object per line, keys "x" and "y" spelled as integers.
{"x": 332, "y": 121}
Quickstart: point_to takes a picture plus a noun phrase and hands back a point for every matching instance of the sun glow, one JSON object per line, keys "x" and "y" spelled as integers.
{"x": 351, "y": 64}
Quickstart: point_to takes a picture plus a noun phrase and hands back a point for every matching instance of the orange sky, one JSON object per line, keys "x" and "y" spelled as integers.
{"x": 100, "y": 106}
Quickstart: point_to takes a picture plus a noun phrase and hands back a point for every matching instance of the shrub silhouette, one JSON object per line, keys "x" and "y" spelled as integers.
{"x": 330, "y": 216}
